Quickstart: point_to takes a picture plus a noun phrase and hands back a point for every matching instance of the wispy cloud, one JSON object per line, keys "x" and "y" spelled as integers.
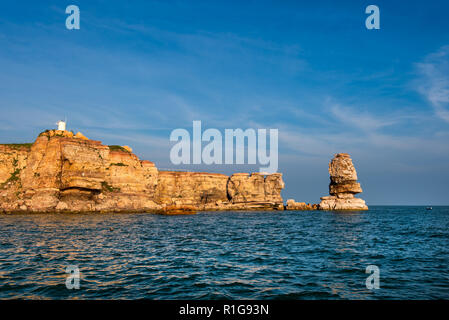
{"x": 434, "y": 81}
{"x": 362, "y": 120}
{"x": 348, "y": 129}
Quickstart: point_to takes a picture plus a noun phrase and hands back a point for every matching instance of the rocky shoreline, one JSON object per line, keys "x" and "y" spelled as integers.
{"x": 65, "y": 172}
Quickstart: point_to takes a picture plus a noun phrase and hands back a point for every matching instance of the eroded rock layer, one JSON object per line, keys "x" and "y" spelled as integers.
{"x": 213, "y": 191}
{"x": 300, "y": 206}
{"x": 343, "y": 186}
{"x": 63, "y": 172}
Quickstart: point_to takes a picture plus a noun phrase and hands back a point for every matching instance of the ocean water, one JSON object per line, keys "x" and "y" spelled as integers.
{"x": 227, "y": 255}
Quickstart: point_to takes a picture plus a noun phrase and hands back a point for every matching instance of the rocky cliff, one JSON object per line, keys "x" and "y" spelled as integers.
{"x": 343, "y": 186}
{"x": 213, "y": 191}
{"x": 63, "y": 172}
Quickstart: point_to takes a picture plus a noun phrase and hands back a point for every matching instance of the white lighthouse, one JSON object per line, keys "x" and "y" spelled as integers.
{"x": 61, "y": 125}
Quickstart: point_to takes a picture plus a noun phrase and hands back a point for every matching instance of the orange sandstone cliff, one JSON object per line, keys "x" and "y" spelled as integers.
{"x": 63, "y": 172}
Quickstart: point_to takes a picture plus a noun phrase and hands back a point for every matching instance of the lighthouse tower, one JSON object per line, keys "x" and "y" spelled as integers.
{"x": 61, "y": 125}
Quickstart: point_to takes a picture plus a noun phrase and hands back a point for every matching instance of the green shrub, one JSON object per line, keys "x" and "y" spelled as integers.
{"x": 119, "y": 164}
{"x": 106, "y": 187}
{"x": 117, "y": 148}
{"x": 13, "y": 178}
{"x": 18, "y": 146}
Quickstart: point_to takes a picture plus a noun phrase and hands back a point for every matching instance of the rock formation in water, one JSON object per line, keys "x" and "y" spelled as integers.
{"x": 343, "y": 186}
{"x": 300, "y": 206}
{"x": 63, "y": 172}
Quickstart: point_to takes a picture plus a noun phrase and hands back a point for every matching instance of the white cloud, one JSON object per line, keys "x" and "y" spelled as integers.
{"x": 361, "y": 120}
{"x": 434, "y": 81}
{"x": 363, "y": 133}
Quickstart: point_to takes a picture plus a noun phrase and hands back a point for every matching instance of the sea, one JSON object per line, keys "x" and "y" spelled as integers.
{"x": 388, "y": 252}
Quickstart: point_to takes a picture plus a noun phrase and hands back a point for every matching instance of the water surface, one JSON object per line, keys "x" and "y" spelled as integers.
{"x": 227, "y": 255}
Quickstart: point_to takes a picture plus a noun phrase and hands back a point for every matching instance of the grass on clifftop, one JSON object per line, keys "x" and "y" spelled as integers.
{"x": 117, "y": 148}
{"x": 46, "y": 133}
{"x": 17, "y": 145}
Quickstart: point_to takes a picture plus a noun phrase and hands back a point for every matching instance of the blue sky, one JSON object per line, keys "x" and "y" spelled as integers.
{"x": 136, "y": 70}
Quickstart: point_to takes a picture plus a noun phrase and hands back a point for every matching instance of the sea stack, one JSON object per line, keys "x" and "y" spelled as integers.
{"x": 343, "y": 186}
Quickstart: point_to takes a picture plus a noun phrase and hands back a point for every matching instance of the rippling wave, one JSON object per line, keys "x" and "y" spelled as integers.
{"x": 227, "y": 255}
